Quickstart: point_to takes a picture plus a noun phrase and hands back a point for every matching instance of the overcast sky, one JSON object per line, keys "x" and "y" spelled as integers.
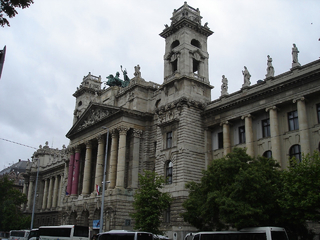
{"x": 54, "y": 43}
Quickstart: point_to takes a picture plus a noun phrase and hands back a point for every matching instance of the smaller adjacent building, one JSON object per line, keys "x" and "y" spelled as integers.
{"x": 15, "y": 172}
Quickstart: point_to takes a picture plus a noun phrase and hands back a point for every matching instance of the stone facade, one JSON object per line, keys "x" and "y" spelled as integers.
{"x": 174, "y": 129}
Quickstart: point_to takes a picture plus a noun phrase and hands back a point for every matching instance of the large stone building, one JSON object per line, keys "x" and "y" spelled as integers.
{"x": 174, "y": 129}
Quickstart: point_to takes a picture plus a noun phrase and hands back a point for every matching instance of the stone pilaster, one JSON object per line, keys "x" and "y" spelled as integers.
{"x": 49, "y": 203}
{"x": 24, "y": 191}
{"x": 275, "y": 134}
{"x": 303, "y": 125}
{"x": 75, "y": 179}
{"x": 59, "y": 191}
{"x": 30, "y": 195}
{"x": 226, "y": 138}
{"x": 70, "y": 173}
{"x": 100, "y": 162}
{"x": 55, "y": 192}
{"x": 249, "y": 134}
{"x": 121, "y": 156}
{"x": 87, "y": 169}
{"x": 113, "y": 158}
{"x": 45, "y": 195}
{"x": 136, "y": 157}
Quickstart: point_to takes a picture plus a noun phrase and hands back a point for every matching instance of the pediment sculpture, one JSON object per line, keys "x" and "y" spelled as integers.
{"x": 95, "y": 116}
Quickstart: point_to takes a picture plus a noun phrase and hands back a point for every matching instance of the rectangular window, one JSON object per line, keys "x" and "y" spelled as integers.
{"x": 242, "y": 135}
{"x": 318, "y": 112}
{"x": 167, "y": 215}
{"x": 220, "y": 140}
{"x": 169, "y": 139}
{"x": 265, "y": 128}
{"x": 293, "y": 120}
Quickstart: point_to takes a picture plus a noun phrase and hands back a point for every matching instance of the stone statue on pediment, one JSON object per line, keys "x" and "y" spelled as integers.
{"x": 224, "y": 86}
{"x": 137, "y": 72}
{"x": 246, "y": 77}
{"x": 295, "y": 61}
{"x": 270, "y": 69}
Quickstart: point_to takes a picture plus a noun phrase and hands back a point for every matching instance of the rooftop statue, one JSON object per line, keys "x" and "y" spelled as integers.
{"x": 270, "y": 69}
{"x": 126, "y": 78}
{"x": 116, "y": 81}
{"x": 295, "y": 61}
{"x": 224, "y": 86}
{"x": 246, "y": 77}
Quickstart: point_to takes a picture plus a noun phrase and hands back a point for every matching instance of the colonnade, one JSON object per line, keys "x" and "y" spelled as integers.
{"x": 52, "y": 187}
{"x": 274, "y": 131}
{"x": 52, "y": 192}
{"x": 117, "y": 162}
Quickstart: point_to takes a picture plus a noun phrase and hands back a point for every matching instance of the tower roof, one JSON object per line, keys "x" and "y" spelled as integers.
{"x": 186, "y": 16}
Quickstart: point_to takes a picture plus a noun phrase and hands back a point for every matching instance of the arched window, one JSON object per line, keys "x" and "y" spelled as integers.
{"x": 267, "y": 154}
{"x": 295, "y": 151}
{"x": 80, "y": 103}
{"x": 175, "y": 43}
{"x": 169, "y": 172}
{"x": 195, "y": 43}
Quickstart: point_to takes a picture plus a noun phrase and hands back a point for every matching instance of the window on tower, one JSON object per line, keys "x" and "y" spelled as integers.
{"x": 195, "y": 43}
{"x": 175, "y": 43}
{"x": 196, "y": 66}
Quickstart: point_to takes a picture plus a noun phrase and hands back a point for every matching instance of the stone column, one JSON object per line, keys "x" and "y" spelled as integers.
{"x": 249, "y": 134}
{"x": 226, "y": 138}
{"x": 303, "y": 125}
{"x": 55, "y": 192}
{"x": 59, "y": 190}
{"x": 100, "y": 162}
{"x": 121, "y": 156}
{"x": 113, "y": 159}
{"x": 70, "y": 173}
{"x": 275, "y": 134}
{"x": 87, "y": 169}
{"x": 49, "y": 203}
{"x": 45, "y": 195}
{"x": 30, "y": 194}
{"x": 135, "y": 158}
{"x": 75, "y": 179}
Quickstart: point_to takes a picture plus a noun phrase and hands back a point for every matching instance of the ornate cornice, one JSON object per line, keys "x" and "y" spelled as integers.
{"x": 184, "y": 22}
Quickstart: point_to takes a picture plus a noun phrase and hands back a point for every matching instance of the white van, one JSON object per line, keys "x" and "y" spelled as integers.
{"x": 19, "y": 234}
{"x": 271, "y": 233}
{"x": 257, "y": 233}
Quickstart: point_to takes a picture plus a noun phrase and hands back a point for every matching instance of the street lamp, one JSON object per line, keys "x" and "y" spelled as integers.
{"x": 104, "y": 180}
{"x": 35, "y": 194}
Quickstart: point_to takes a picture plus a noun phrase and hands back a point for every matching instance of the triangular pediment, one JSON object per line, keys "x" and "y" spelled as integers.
{"x": 94, "y": 114}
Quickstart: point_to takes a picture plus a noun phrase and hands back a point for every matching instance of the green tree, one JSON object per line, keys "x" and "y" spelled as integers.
{"x": 150, "y": 203}
{"x": 8, "y": 7}
{"x": 10, "y": 203}
{"x": 300, "y": 198}
{"x": 237, "y": 190}
{"x": 240, "y": 191}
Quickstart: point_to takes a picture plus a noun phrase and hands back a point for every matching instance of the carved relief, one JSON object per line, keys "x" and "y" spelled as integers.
{"x": 95, "y": 116}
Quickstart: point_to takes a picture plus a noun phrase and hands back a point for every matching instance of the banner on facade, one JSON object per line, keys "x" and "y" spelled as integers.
{"x": 96, "y": 224}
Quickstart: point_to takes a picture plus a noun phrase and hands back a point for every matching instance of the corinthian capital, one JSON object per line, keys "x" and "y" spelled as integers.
{"x": 123, "y": 130}
{"x": 137, "y": 133}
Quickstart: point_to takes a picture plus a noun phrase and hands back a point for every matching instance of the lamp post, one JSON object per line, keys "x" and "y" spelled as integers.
{"x": 35, "y": 194}
{"x": 104, "y": 181}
